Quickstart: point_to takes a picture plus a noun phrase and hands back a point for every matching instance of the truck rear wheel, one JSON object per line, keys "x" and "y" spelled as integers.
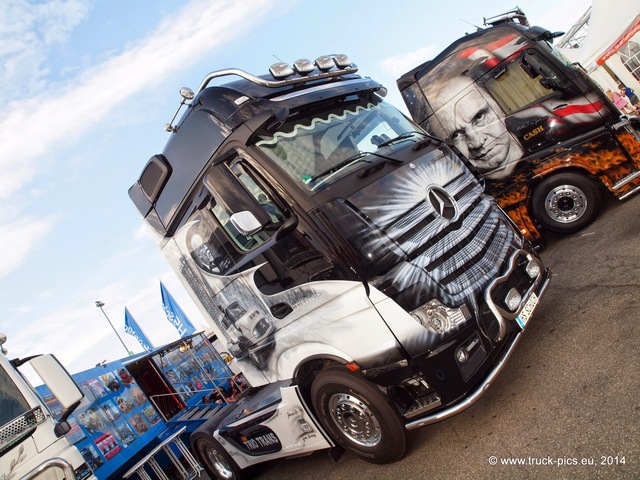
{"x": 357, "y": 416}
{"x": 214, "y": 458}
{"x": 566, "y": 202}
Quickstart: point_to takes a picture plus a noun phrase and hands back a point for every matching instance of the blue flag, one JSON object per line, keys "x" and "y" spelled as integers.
{"x": 175, "y": 315}
{"x": 132, "y": 328}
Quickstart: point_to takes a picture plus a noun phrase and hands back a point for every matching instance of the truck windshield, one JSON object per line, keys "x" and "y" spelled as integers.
{"x": 317, "y": 150}
{"x": 12, "y": 403}
{"x": 17, "y": 419}
{"x": 560, "y": 56}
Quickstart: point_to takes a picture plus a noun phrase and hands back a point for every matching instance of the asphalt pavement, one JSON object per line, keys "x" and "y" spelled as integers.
{"x": 566, "y": 405}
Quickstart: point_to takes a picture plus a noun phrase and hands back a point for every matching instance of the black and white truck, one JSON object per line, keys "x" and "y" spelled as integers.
{"x": 351, "y": 263}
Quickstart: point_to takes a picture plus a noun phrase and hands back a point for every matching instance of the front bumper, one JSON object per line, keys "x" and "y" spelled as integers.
{"x": 467, "y": 389}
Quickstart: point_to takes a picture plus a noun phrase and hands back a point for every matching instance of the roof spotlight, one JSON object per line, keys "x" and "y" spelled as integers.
{"x": 303, "y": 66}
{"x": 324, "y": 63}
{"x": 280, "y": 70}
{"x": 342, "y": 61}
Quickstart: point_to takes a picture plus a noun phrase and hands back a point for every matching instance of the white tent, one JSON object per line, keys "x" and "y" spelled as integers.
{"x": 611, "y": 26}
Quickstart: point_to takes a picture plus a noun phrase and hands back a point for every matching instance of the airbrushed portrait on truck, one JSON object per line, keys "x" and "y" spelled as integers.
{"x": 546, "y": 138}
{"x": 351, "y": 263}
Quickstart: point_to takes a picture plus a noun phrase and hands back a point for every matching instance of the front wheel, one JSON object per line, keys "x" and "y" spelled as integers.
{"x": 214, "y": 458}
{"x": 566, "y": 202}
{"x": 357, "y": 416}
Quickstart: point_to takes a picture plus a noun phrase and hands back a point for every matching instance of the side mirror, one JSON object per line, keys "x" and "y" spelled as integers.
{"x": 287, "y": 227}
{"x": 245, "y": 222}
{"x": 62, "y": 386}
{"x": 57, "y": 379}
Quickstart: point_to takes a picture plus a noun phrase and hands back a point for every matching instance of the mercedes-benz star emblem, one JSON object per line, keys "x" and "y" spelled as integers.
{"x": 442, "y": 203}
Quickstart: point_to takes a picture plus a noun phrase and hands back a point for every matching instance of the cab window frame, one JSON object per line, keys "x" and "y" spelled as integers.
{"x": 253, "y": 185}
{"x": 514, "y": 89}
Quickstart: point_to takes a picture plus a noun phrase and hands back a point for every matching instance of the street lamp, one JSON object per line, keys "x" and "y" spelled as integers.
{"x": 100, "y": 304}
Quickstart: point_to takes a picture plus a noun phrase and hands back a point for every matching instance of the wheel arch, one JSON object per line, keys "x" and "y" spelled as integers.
{"x": 294, "y": 362}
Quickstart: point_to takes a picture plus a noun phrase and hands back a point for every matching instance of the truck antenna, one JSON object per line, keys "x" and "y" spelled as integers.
{"x": 469, "y": 23}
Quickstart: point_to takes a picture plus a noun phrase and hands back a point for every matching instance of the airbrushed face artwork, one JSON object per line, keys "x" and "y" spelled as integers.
{"x": 541, "y": 112}
{"x": 470, "y": 121}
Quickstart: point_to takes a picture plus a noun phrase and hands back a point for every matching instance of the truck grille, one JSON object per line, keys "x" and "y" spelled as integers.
{"x": 460, "y": 255}
{"x": 471, "y": 254}
{"x": 18, "y": 428}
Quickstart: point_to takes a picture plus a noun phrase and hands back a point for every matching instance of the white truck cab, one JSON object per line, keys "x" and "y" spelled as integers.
{"x": 32, "y": 443}
{"x": 349, "y": 261}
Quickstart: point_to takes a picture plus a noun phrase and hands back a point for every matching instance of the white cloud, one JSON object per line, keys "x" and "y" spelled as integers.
{"x": 19, "y": 238}
{"x": 63, "y": 115}
{"x": 80, "y": 336}
{"x": 28, "y": 30}
{"x": 31, "y": 129}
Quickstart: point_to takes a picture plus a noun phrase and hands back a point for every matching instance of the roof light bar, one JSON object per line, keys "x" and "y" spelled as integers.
{"x": 342, "y": 61}
{"x": 303, "y": 66}
{"x": 280, "y": 70}
{"x": 324, "y": 63}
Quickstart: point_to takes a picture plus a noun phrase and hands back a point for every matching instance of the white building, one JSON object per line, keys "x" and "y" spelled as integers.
{"x": 606, "y": 42}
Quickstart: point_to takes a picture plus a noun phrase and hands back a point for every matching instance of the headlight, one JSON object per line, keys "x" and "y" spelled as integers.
{"x": 533, "y": 269}
{"x": 439, "y": 318}
{"x": 513, "y": 299}
{"x": 432, "y": 319}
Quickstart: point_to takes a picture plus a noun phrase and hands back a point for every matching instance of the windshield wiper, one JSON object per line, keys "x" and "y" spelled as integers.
{"x": 402, "y": 136}
{"x": 358, "y": 157}
{"x": 375, "y": 166}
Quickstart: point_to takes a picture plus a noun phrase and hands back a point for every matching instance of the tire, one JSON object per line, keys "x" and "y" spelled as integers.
{"x": 214, "y": 458}
{"x": 357, "y": 416}
{"x": 566, "y": 202}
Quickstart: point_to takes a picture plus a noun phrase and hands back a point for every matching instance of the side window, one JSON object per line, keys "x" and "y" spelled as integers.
{"x": 227, "y": 210}
{"x": 260, "y": 194}
{"x": 516, "y": 87}
{"x": 239, "y": 216}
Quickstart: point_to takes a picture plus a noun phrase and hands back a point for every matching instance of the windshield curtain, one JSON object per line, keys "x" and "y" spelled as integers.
{"x": 310, "y": 149}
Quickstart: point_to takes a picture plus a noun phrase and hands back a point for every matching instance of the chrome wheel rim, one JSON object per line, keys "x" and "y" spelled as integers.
{"x": 218, "y": 462}
{"x": 356, "y": 421}
{"x": 566, "y": 203}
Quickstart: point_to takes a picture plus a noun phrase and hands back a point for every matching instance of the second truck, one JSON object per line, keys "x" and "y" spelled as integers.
{"x": 33, "y": 444}
{"x": 545, "y": 136}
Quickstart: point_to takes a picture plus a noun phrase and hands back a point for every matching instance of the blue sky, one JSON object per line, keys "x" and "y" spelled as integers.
{"x": 86, "y": 88}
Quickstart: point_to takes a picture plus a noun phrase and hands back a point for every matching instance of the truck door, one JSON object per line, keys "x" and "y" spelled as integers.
{"x": 253, "y": 263}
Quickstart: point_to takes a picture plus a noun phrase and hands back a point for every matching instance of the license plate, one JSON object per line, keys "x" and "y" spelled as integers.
{"x": 527, "y": 310}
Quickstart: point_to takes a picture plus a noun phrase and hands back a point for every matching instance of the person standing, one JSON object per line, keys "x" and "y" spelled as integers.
{"x": 621, "y": 102}
{"x": 629, "y": 93}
